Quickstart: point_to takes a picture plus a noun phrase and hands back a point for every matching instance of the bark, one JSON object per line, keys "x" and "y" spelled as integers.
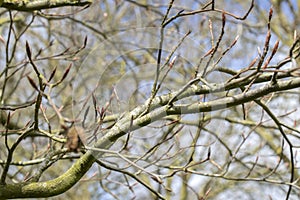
{"x": 27, "y": 5}
{"x": 52, "y": 187}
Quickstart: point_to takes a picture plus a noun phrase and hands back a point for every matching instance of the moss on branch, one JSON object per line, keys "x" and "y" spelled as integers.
{"x": 52, "y": 187}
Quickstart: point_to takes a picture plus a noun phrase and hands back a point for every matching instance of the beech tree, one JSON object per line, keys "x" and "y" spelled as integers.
{"x": 123, "y": 99}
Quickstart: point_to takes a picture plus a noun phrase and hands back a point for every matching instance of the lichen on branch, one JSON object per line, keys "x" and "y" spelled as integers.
{"x": 32, "y": 5}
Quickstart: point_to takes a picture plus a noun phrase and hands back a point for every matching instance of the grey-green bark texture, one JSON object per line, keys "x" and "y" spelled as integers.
{"x": 32, "y": 5}
{"x": 52, "y": 187}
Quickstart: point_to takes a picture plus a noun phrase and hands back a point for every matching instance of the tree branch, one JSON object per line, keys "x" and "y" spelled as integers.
{"x": 52, "y": 187}
{"x": 26, "y": 5}
{"x": 73, "y": 175}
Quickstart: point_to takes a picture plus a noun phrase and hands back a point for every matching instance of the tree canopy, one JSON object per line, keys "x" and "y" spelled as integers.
{"x": 123, "y": 99}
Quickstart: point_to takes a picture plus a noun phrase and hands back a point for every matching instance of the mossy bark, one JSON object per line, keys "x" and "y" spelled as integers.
{"x": 52, "y": 187}
{"x": 32, "y": 5}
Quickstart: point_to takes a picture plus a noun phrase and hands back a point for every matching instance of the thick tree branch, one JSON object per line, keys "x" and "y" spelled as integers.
{"x": 163, "y": 109}
{"x": 52, "y": 187}
{"x": 27, "y": 5}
